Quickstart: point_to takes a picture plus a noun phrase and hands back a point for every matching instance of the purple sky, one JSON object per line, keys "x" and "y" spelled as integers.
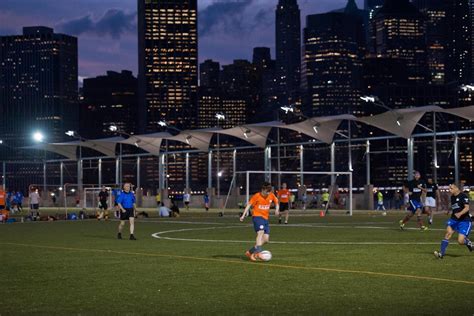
{"x": 228, "y": 29}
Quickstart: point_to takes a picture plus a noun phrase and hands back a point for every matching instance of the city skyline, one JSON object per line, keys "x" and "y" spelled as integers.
{"x": 107, "y": 33}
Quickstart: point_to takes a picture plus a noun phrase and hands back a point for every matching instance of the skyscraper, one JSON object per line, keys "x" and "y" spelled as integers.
{"x": 333, "y": 49}
{"x": 109, "y": 100}
{"x": 38, "y": 85}
{"x": 448, "y": 39}
{"x": 288, "y": 50}
{"x": 209, "y": 93}
{"x": 167, "y": 50}
{"x": 209, "y": 72}
{"x": 459, "y": 50}
{"x": 399, "y": 32}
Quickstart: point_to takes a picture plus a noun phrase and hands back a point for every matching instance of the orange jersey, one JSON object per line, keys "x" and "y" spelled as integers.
{"x": 261, "y": 205}
{"x": 2, "y": 197}
{"x": 284, "y": 195}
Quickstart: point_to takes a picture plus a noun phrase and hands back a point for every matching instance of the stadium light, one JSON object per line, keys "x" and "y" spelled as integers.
{"x": 220, "y": 116}
{"x": 113, "y": 128}
{"x": 38, "y": 137}
{"x": 399, "y": 119}
{"x": 369, "y": 98}
{"x": 1, "y": 141}
{"x": 316, "y": 127}
{"x": 162, "y": 123}
{"x": 287, "y": 109}
{"x": 70, "y": 133}
{"x": 246, "y": 133}
{"x": 467, "y": 87}
{"x": 219, "y": 174}
{"x": 188, "y": 138}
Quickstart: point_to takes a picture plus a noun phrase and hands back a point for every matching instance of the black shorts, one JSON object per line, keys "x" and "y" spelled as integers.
{"x": 34, "y": 206}
{"x": 186, "y": 203}
{"x": 115, "y": 204}
{"x": 103, "y": 205}
{"x": 127, "y": 214}
{"x": 284, "y": 207}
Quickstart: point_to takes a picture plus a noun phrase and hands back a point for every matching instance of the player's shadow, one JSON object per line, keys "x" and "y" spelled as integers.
{"x": 243, "y": 258}
{"x": 453, "y": 256}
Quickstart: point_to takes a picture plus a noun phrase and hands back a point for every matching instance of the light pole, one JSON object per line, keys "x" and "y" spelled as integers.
{"x": 39, "y": 138}
{"x": 80, "y": 170}
{"x": 219, "y": 117}
{"x": 115, "y": 129}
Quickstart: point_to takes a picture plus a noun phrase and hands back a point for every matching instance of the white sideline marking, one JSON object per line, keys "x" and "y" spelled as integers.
{"x": 158, "y": 235}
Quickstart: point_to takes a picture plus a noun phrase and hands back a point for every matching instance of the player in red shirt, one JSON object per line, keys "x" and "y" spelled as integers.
{"x": 284, "y": 198}
{"x": 260, "y": 204}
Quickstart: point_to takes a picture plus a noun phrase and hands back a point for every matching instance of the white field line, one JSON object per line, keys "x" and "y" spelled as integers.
{"x": 159, "y": 235}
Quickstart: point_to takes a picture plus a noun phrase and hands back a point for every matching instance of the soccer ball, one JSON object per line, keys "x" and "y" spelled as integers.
{"x": 265, "y": 255}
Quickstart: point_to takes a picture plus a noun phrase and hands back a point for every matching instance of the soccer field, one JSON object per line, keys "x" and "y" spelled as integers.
{"x": 195, "y": 264}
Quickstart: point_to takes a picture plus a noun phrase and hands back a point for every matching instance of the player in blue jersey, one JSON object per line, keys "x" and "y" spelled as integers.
{"x": 416, "y": 188}
{"x": 459, "y": 222}
{"x": 128, "y": 210}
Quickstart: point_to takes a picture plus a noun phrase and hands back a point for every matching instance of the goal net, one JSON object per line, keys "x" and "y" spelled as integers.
{"x": 91, "y": 197}
{"x": 322, "y": 191}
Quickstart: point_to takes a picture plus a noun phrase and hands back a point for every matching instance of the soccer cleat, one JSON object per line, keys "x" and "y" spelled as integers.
{"x": 438, "y": 255}
{"x": 470, "y": 246}
{"x": 132, "y": 237}
{"x": 286, "y": 223}
{"x": 119, "y": 236}
{"x": 423, "y": 228}
{"x": 430, "y": 221}
{"x": 279, "y": 221}
{"x": 402, "y": 225}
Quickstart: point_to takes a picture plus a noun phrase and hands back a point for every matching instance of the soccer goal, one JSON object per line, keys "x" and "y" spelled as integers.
{"x": 311, "y": 190}
{"x": 91, "y": 197}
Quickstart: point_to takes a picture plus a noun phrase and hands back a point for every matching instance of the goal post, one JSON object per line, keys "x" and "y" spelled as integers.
{"x": 314, "y": 182}
{"x": 91, "y": 196}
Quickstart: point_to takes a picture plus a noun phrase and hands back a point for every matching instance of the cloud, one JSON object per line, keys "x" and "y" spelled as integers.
{"x": 227, "y": 16}
{"x": 113, "y": 23}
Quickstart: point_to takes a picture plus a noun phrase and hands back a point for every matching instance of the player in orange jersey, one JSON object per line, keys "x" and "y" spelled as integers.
{"x": 260, "y": 204}
{"x": 284, "y": 198}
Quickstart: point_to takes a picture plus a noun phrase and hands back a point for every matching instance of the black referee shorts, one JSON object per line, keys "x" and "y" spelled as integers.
{"x": 127, "y": 214}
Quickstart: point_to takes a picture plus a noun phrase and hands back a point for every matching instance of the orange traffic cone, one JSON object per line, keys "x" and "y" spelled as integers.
{"x": 322, "y": 214}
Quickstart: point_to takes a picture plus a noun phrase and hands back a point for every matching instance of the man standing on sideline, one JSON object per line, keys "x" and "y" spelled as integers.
{"x": 284, "y": 197}
{"x": 128, "y": 210}
{"x": 158, "y": 198}
{"x": 302, "y": 197}
{"x": 186, "y": 199}
{"x": 206, "y": 201}
{"x": 103, "y": 207}
{"x": 380, "y": 204}
{"x": 34, "y": 203}
{"x": 432, "y": 199}
{"x": 3, "y": 199}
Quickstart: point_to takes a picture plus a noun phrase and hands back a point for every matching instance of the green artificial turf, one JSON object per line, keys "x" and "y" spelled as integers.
{"x": 336, "y": 265}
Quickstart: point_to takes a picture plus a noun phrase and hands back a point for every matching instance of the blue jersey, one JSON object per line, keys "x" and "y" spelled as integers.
{"x": 206, "y": 198}
{"x": 126, "y": 199}
{"x": 18, "y": 197}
